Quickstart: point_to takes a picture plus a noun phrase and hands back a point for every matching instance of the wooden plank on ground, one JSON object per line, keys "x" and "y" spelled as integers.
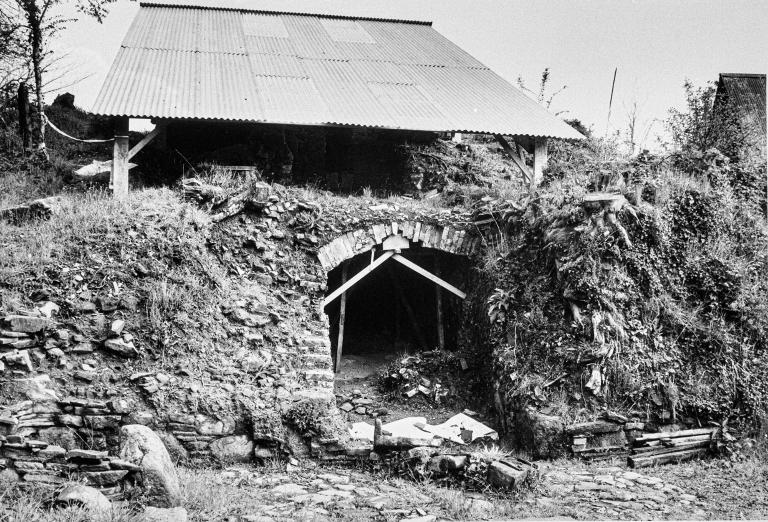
{"x": 677, "y": 456}
{"x": 429, "y": 275}
{"x": 645, "y": 437}
{"x": 661, "y": 450}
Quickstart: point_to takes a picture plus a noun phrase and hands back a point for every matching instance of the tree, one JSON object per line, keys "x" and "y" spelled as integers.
{"x": 702, "y": 126}
{"x": 12, "y": 43}
{"x": 39, "y": 22}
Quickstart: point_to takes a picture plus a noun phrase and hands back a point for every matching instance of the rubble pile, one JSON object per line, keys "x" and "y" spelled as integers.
{"x": 437, "y": 376}
{"x": 361, "y": 405}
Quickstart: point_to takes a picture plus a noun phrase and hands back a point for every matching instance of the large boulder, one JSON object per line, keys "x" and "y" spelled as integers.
{"x": 542, "y": 435}
{"x": 142, "y": 447}
{"x": 174, "y": 447}
{"x": 508, "y": 473}
{"x": 90, "y": 498}
{"x": 8, "y": 476}
{"x": 236, "y": 448}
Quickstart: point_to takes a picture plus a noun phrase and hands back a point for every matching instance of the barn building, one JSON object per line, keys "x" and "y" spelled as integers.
{"x": 308, "y": 95}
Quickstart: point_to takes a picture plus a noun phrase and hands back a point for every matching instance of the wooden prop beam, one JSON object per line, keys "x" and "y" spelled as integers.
{"x": 429, "y": 275}
{"x": 512, "y": 153}
{"x": 119, "y": 176}
{"x": 357, "y": 277}
{"x": 145, "y": 140}
{"x": 342, "y": 317}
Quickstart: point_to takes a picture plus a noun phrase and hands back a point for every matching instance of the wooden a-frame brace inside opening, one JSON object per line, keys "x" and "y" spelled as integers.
{"x": 347, "y": 284}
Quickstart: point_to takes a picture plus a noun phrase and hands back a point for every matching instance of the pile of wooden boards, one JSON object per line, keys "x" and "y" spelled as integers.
{"x": 600, "y": 439}
{"x": 650, "y": 449}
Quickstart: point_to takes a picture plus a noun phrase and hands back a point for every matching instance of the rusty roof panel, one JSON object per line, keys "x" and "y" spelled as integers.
{"x": 189, "y": 62}
{"x": 747, "y": 94}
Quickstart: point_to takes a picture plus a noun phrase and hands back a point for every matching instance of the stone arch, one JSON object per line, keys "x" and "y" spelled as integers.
{"x": 450, "y": 239}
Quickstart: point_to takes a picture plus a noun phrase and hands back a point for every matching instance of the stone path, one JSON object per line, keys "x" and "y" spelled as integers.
{"x": 615, "y": 492}
{"x": 563, "y": 491}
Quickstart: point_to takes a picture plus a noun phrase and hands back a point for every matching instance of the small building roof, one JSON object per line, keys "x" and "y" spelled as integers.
{"x": 197, "y": 62}
{"x": 746, "y": 94}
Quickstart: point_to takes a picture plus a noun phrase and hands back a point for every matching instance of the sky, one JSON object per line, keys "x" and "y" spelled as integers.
{"x": 655, "y": 44}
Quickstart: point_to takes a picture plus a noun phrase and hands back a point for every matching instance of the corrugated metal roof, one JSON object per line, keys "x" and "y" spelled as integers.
{"x": 233, "y": 64}
{"x": 746, "y": 93}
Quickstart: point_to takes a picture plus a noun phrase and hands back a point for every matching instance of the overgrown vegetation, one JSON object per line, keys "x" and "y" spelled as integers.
{"x": 651, "y": 301}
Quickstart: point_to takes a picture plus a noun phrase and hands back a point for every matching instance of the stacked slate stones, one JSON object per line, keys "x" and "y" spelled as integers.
{"x": 35, "y": 461}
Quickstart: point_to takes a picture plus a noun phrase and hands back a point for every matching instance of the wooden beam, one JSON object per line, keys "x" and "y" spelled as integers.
{"x": 525, "y": 169}
{"x": 539, "y": 161}
{"x": 408, "y": 309}
{"x": 439, "y": 297}
{"x": 342, "y": 317}
{"x": 429, "y": 275}
{"x": 357, "y": 277}
{"x": 119, "y": 178}
{"x": 145, "y": 141}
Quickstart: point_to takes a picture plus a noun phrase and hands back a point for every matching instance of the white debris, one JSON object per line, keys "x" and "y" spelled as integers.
{"x": 361, "y": 431}
{"x": 460, "y": 429}
{"x": 463, "y": 429}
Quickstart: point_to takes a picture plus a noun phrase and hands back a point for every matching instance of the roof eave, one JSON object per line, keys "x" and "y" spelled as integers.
{"x": 291, "y": 13}
{"x": 577, "y": 135}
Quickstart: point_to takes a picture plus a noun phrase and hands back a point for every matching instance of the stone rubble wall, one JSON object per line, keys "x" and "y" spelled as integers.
{"x": 36, "y": 461}
{"x": 71, "y": 376}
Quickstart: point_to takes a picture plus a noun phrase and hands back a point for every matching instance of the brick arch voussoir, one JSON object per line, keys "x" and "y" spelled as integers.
{"x": 452, "y": 240}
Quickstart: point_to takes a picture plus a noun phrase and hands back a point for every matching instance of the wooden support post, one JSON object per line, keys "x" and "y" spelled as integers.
{"x": 120, "y": 159}
{"x": 539, "y": 161}
{"x": 439, "y": 297}
{"x": 408, "y": 309}
{"x": 517, "y": 159}
{"x": 342, "y": 317}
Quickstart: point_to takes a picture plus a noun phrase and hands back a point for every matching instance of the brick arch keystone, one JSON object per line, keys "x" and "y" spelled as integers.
{"x": 452, "y": 240}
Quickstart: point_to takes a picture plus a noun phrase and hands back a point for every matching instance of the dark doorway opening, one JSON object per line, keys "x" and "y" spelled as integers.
{"x": 395, "y": 310}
